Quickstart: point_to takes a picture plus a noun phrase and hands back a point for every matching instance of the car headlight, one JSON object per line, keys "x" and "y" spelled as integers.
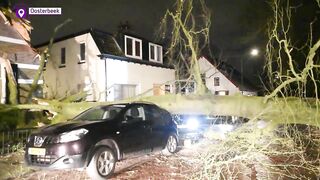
{"x": 71, "y": 136}
{"x": 192, "y": 123}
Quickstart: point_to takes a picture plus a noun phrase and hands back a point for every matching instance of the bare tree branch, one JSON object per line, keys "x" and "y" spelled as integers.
{"x": 43, "y": 56}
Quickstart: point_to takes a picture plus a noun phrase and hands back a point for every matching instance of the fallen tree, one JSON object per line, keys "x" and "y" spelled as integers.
{"x": 276, "y": 111}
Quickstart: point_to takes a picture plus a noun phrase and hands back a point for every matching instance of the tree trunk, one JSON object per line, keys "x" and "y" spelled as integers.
{"x": 36, "y": 78}
{"x": 274, "y": 112}
{"x": 12, "y": 84}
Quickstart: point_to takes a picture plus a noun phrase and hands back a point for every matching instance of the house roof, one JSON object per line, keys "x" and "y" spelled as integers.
{"x": 233, "y": 75}
{"x": 106, "y": 43}
{"x": 109, "y": 46}
{"x": 63, "y": 38}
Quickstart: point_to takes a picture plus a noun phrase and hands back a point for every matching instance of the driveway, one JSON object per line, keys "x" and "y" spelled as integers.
{"x": 154, "y": 166}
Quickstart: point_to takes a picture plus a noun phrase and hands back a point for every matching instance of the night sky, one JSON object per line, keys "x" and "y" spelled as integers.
{"x": 237, "y": 25}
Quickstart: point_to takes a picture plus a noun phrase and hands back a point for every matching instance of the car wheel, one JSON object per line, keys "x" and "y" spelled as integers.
{"x": 102, "y": 164}
{"x": 171, "y": 146}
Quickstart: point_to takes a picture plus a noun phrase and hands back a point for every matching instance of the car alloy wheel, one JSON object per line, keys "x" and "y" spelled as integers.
{"x": 102, "y": 164}
{"x": 172, "y": 144}
{"x": 105, "y": 163}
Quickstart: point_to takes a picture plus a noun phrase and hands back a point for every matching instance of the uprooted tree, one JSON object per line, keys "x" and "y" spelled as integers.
{"x": 292, "y": 61}
{"x": 288, "y": 144}
{"x": 187, "y": 27}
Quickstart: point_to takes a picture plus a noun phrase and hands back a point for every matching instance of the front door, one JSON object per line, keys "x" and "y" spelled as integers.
{"x": 134, "y": 132}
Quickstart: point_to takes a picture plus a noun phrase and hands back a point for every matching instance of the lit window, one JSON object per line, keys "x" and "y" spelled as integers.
{"x": 222, "y": 93}
{"x": 63, "y": 56}
{"x": 82, "y": 51}
{"x": 216, "y": 81}
{"x": 133, "y": 47}
{"x": 155, "y": 53}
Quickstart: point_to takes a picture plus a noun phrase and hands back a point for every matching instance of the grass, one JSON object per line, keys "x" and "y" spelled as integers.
{"x": 12, "y": 165}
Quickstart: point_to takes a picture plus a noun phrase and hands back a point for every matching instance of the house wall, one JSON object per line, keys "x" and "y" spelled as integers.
{"x": 210, "y": 73}
{"x": 143, "y": 76}
{"x": 75, "y": 76}
{"x": 90, "y": 76}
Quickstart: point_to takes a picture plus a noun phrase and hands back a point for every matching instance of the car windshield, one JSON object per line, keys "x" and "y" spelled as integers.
{"x": 100, "y": 113}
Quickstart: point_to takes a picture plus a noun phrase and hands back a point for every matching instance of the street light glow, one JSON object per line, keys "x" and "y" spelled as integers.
{"x": 254, "y": 52}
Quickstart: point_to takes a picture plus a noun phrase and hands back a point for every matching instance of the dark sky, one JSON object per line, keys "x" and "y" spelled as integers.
{"x": 237, "y": 25}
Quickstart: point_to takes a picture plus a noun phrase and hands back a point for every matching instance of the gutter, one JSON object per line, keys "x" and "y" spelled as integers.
{"x": 12, "y": 40}
{"x": 131, "y": 60}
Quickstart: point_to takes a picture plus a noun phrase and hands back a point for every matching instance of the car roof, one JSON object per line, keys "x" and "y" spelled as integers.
{"x": 134, "y": 102}
{"x": 142, "y": 102}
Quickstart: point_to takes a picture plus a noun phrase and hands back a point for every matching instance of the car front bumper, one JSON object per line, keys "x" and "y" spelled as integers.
{"x": 57, "y": 156}
{"x": 64, "y": 162}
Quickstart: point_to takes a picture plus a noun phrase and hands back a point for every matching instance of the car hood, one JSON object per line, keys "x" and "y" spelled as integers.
{"x": 66, "y": 126}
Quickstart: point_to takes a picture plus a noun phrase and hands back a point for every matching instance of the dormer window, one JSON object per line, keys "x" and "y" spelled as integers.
{"x": 133, "y": 47}
{"x": 155, "y": 53}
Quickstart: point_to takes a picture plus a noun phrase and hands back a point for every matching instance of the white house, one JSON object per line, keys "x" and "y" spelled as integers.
{"x": 224, "y": 79}
{"x": 107, "y": 67}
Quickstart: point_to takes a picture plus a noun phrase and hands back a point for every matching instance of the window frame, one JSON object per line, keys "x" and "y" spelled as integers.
{"x": 167, "y": 88}
{"x": 134, "y": 52}
{"x": 82, "y": 58}
{"x": 216, "y": 81}
{"x": 155, "y": 48}
{"x": 104, "y": 108}
{"x": 139, "y": 119}
{"x": 218, "y": 93}
{"x": 63, "y": 53}
{"x": 155, "y": 115}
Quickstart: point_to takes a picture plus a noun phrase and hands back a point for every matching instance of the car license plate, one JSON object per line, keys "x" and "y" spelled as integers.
{"x": 37, "y": 151}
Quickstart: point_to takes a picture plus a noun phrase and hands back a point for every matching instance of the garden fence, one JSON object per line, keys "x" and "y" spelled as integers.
{"x": 11, "y": 141}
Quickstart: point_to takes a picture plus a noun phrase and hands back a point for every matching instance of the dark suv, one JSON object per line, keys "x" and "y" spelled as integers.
{"x": 99, "y": 137}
